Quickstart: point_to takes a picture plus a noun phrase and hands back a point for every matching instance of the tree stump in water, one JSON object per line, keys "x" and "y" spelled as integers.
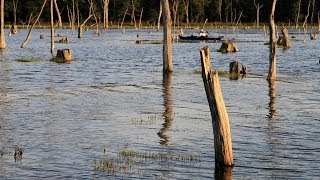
{"x": 280, "y": 41}
{"x": 138, "y": 41}
{"x": 286, "y": 40}
{"x": 236, "y": 68}
{"x": 220, "y": 119}
{"x": 314, "y": 36}
{"x": 14, "y": 29}
{"x": 64, "y": 54}
{"x": 227, "y": 46}
{"x": 64, "y": 40}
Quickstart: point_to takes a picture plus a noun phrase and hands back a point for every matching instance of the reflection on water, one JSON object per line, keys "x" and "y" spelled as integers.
{"x": 272, "y": 99}
{"x": 223, "y": 173}
{"x": 63, "y": 124}
{"x": 167, "y": 103}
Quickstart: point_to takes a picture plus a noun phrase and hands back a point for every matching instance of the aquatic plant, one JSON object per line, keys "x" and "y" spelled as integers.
{"x": 127, "y": 158}
{"x": 29, "y": 60}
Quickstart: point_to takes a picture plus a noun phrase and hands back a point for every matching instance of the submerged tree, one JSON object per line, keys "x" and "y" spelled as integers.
{"x": 272, "y": 56}
{"x": 106, "y": 14}
{"x": 167, "y": 38}
{"x": 2, "y": 39}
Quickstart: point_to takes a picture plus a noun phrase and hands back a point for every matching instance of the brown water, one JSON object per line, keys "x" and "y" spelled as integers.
{"x": 113, "y": 97}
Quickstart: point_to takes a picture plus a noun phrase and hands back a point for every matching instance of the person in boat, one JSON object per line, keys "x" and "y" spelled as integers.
{"x": 203, "y": 33}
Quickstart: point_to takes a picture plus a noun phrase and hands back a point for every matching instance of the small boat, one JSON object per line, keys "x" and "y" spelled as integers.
{"x": 202, "y": 36}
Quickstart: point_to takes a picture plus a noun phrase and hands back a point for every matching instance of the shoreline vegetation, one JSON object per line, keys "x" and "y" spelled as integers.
{"x": 128, "y": 25}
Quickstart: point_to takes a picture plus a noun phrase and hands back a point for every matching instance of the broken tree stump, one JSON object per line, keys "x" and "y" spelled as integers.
{"x": 219, "y": 115}
{"x": 64, "y": 55}
{"x": 227, "y": 46}
{"x": 237, "y": 68}
{"x": 313, "y": 36}
{"x": 64, "y": 40}
{"x": 286, "y": 39}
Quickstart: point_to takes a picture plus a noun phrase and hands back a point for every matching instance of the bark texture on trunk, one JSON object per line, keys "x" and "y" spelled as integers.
{"x": 272, "y": 54}
{"x": 167, "y": 37}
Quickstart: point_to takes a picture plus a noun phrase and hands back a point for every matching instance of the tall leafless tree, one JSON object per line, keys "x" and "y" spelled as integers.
{"x": 24, "y": 44}
{"x": 58, "y": 13}
{"x": 167, "y": 37}
{"x": 52, "y": 26}
{"x": 2, "y": 39}
{"x": 186, "y": 10}
{"x": 14, "y": 27}
{"x": 106, "y": 14}
{"x": 272, "y": 56}
{"x": 175, "y": 7}
{"x": 219, "y": 9}
{"x": 159, "y": 17}
{"x": 258, "y": 7}
{"x": 298, "y": 14}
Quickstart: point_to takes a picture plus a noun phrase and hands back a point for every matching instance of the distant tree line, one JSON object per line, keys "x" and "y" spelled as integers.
{"x": 183, "y": 11}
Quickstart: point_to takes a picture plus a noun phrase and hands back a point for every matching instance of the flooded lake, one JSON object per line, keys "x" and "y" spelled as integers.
{"x": 110, "y": 114}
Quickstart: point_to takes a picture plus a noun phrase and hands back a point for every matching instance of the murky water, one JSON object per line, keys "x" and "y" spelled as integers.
{"x": 70, "y": 117}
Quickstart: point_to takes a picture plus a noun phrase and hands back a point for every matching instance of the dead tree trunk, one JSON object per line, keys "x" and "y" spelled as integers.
{"x": 186, "y": 9}
{"x": 159, "y": 17}
{"x": 52, "y": 27}
{"x": 14, "y": 27}
{"x": 220, "y": 119}
{"x": 123, "y": 18}
{"x": 272, "y": 56}
{"x": 35, "y": 22}
{"x": 258, "y": 7}
{"x": 298, "y": 14}
{"x": 305, "y": 23}
{"x": 272, "y": 96}
{"x": 286, "y": 38}
{"x": 140, "y": 19}
{"x": 106, "y": 14}
{"x": 133, "y": 17}
{"x": 167, "y": 38}
{"x": 312, "y": 13}
{"x": 175, "y": 12}
{"x": 85, "y": 21}
{"x": 2, "y": 39}
{"x": 58, "y": 14}
{"x": 319, "y": 22}
{"x": 219, "y": 9}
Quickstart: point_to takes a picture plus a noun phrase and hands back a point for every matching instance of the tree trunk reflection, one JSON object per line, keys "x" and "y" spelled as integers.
{"x": 272, "y": 96}
{"x": 168, "y": 113}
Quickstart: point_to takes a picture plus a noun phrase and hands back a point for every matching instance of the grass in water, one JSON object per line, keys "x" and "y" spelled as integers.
{"x": 29, "y": 60}
{"x": 127, "y": 159}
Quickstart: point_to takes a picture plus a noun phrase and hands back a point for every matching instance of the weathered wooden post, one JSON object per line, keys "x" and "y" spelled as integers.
{"x": 220, "y": 119}
{"x": 167, "y": 39}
